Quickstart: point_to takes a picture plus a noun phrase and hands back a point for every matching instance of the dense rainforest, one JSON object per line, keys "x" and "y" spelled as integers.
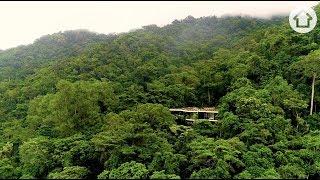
{"x": 78, "y": 104}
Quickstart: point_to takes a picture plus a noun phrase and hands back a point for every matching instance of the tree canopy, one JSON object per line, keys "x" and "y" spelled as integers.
{"x": 77, "y": 104}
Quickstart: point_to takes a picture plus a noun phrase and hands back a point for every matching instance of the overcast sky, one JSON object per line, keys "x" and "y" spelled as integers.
{"x": 23, "y": 22}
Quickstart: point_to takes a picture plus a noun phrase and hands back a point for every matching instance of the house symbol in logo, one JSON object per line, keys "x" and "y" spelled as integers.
{"x": 302, "y": 19}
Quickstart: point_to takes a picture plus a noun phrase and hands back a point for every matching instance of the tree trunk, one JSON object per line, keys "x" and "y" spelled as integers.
{"x": 312, "y": 93}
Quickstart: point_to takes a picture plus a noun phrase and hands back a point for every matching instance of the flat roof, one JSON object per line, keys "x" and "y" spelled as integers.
{"x": 211, "y": 120}
{"x": 195, "y": 109}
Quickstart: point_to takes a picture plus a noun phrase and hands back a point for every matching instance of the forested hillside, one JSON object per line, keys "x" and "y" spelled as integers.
{"x": 78, "y": 104}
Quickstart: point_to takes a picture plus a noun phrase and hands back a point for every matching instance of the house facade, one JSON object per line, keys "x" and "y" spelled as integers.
{"x": 191, "y": 114}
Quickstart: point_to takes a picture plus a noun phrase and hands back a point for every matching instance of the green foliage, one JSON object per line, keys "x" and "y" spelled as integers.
{"x": 129, "y": 170}
{"x": 156, "y": 116}
{"x": 75, "y": 107}
{"x": 219, "y": 172}
{"x": 292, "y": 171}
{"x": 168, "y": 161}
{"x": 104, "y": 175}
{"x": 72, "y": 172}
{"x": 77, "y": 104}
{"x": 310, "y": 64}
{"x": 7, "y": 169}
{"x": 163, "y": 175}
{"x": 216, "y": 159}
{"x": 35, "y": 157}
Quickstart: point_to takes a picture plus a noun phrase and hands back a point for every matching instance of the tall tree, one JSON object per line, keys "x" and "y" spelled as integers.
{"x": 310, "y": 65}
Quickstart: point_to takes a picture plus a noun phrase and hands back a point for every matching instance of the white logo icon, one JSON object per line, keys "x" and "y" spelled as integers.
{"x": 303, "y": 20}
